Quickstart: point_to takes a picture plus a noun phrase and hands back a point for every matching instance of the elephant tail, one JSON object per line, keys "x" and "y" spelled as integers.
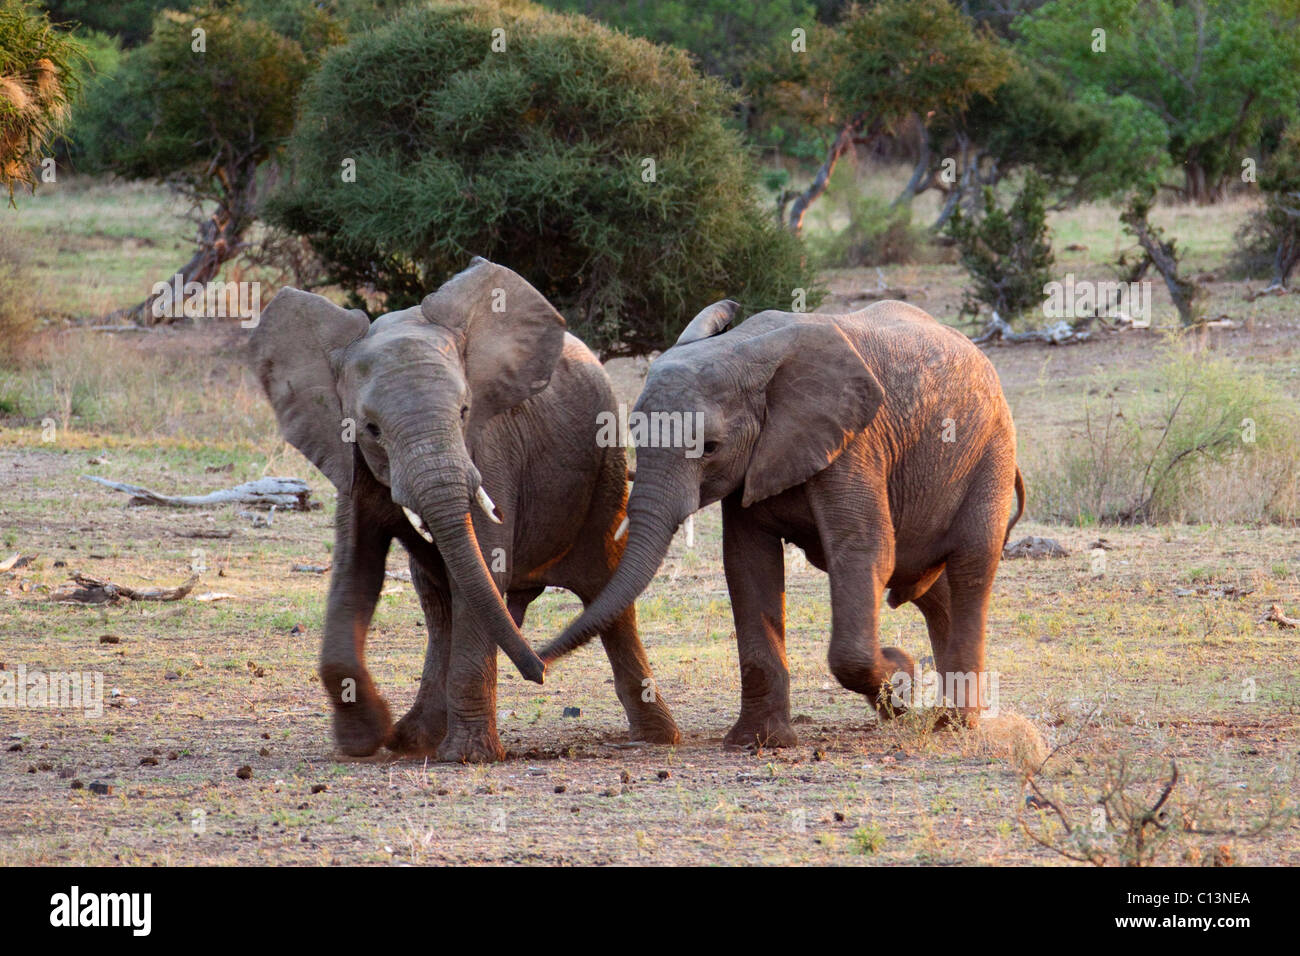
{"x": 1020, "y": 506}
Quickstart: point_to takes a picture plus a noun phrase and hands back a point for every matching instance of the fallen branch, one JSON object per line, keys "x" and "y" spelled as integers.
{"x": 1276, "y": 616}
{"x": 290, "y": 493}
{"x": 1062, "y": 333}
{"x": 1034, "y": 547}
{"x": 96, "y": 591}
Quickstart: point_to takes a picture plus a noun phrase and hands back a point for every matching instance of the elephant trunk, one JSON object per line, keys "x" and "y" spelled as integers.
{"x": 652, "y": 518}
{"x": 442, "y": 494}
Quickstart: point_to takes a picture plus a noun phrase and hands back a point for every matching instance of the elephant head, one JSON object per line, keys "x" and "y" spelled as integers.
{"x": 771, "y": 403}
{"x": 407, "y": 396}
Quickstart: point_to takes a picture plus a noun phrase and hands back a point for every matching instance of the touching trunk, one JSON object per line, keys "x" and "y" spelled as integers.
{"x": 444, "y": 506}
{"x": 649, "y": 535}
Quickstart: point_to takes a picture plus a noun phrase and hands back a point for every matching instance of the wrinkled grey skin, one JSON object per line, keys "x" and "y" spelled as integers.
{"x": 829, "y": 432}
{"x": 478, "y": 387}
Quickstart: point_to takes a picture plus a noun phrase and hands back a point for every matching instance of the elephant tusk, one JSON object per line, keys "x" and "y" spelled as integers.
{"x": 417, "y": 524}
{"x": 622, "y": 530}
{"x": 484, "y": 502}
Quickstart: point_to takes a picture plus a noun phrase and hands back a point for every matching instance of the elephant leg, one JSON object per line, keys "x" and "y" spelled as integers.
{"x": 517, "y": 602}
{"x": 935, "y": 607}
{"x": 858, "y": 543}
{"x": 361, "y": 718}
{"x": 755, "y": 566}
{"x": 421, "y": 731}
{"x": 471, "y": 691}
{"x": 648, "y": 716}
{"x": 960, "y": 663}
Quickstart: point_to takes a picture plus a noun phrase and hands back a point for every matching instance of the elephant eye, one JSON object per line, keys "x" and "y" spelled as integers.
{"x": 710, "y": 447}
{"x": 464, "y": 413}
{"x": 373, "y": 429}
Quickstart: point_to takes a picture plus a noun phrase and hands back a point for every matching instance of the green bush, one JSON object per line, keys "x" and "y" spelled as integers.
{"x": 1268, "y": 243}
{"x": 1006, "y": 252}
{"x": 1206, "y": 442}
{"x": 875, "y": 235}
{"x": 537, "y": 157}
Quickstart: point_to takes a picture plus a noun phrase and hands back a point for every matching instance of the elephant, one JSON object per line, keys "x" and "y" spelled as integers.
{"x": 879, "y": 442}
{"x": 476, "y": 396}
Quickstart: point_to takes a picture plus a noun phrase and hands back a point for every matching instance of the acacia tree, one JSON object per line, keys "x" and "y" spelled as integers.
{"x": 873, "y": 70}
{"x": 205, "y": 106}
{"x": 1080, "y": 148}
{"x": 599, "y": 166}
{"x": 37, "y": 83}
{"x": 1208, "y": 73}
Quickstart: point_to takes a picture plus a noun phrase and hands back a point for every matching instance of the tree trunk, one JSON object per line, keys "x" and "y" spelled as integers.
{"x": 921, "y": 177}
{"x": 818, "y": 186}
{"x": 220, "y": 239}
{"x": 1181, "y": 291}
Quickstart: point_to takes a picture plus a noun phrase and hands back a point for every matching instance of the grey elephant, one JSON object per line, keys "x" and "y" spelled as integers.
{"x": 478, "y": 395}
{"x": 880, "y": 443}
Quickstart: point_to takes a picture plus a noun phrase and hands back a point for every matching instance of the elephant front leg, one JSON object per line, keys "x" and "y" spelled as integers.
{"x": 361, "y": 718}
{"x": 420, "y": 732}
{"x": 755, "y": 568}
{"x": 471, "y": 692}
{"x": 858, "y": 544}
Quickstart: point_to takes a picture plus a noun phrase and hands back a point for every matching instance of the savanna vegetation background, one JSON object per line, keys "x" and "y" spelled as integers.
{"x": 802, "y": 154}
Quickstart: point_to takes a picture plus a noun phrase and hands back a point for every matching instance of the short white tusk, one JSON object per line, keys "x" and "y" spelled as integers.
{"x": 484, "y": 502}
{"x": 622, "y": 530}
{"x": 417, "y": 524}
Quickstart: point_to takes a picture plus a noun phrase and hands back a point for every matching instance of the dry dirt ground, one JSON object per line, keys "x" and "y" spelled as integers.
{"x": 1156, "y": 654}
{"x": 1150, "y": 655}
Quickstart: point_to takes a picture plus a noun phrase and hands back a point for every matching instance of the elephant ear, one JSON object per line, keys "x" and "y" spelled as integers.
{"x": 512, "y": 336}
{"x": 294, "y": 351}
{"x": 819, "y": 397}
{"x": 709, "y": 322}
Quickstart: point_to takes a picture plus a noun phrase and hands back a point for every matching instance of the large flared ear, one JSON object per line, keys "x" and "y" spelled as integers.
{"x": 711, "y": 320}
{"x": 819, "y": 396}
{"x": 295, "y": 351}
{"x": 512, "y": 335}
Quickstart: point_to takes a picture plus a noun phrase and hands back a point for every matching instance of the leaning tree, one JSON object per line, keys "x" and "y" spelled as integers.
{"x": 879, "y": 67}
{"x": 205, "y": 106}
{"x": 599, "y": 166}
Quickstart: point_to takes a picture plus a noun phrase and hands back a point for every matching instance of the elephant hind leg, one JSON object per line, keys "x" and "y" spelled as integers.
{"x": 956, "y": 612}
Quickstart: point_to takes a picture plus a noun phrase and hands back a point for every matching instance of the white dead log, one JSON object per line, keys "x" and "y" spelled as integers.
{"x": 96, "y": 591}
{"x": 1276, "y": 616}
{"x": 290, "y": 493}
{"x": 1062, "y": 333}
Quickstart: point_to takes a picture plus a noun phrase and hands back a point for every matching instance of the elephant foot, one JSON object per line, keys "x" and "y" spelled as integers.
{"x": 770, "y": 730}
{"x": 418, "y": 734}
{"x": 889, "y": 699}
{"x": 654, "y": 724}
{"x": 362, "y": 721}
{"x": 471, "y": 744}
{"x": 956, "y": 718}
{"x": 361, "y": 728}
